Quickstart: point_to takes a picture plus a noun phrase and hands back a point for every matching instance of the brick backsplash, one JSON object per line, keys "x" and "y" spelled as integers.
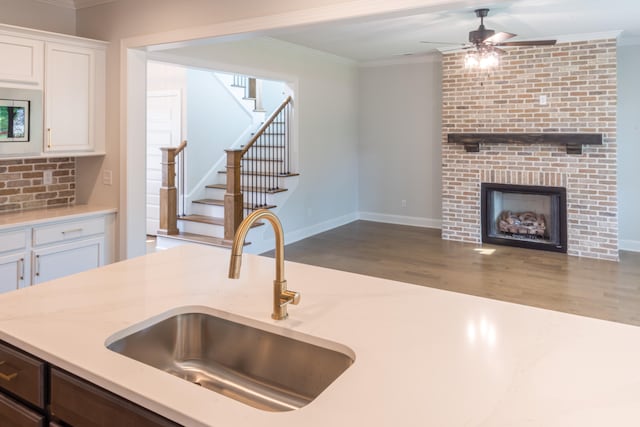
{"x": 579, "y": 81}
{"x": 22, "y": 186}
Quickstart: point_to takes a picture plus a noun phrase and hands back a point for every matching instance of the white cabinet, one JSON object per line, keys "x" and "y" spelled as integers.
{"x": 70, "y": 74}
{"x": 22, "y": 62}
{"x": 62, "y": 260}
{"x": 14, "y": 268}
{"x": 12, "y": 272}
{"x": 70, "y": 98}
{"x": 30, "y": 255}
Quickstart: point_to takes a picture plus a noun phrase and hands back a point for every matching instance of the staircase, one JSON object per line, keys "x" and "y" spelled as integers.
{"x": 255, "y": 177}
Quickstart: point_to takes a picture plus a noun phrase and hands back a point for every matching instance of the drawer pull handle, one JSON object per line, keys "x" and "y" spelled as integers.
{"x": 49, "y": 144}
{"x": 7, "y": 376}
{"x": 20, "y": 269}
{"x": 37, "y": 265}
{"x": 73, "y": 230}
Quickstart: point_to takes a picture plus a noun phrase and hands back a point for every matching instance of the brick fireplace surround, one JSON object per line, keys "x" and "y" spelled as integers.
{"x": 579, "y": 81}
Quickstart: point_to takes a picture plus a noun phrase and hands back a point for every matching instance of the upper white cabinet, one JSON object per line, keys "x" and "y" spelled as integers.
{"x": 70, "y": 73}
{"x": 22, "y": 62}
{"x": 70, "y": 98}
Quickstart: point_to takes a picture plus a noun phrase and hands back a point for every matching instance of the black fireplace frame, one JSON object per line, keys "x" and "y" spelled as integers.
{"x": 560, "y": 192}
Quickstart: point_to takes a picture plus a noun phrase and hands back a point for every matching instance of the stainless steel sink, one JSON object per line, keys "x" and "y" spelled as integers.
{"x": 259, "y": 368}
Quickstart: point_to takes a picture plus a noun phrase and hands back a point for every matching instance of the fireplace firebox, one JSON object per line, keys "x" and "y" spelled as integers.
{"x": 528, "y": 216}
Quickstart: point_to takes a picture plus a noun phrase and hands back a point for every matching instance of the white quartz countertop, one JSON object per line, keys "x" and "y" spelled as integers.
{"x": 423, "y": 357}
{"x": 38, "y": 216}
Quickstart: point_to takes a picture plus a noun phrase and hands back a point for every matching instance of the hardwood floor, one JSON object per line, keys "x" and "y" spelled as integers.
{"x": 601, "y": 289}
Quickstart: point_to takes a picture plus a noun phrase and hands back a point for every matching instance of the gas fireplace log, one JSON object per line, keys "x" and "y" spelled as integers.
{"x": 527, "y": 223}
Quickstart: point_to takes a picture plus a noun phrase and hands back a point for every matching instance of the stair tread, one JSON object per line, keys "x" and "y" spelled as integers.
{"x": 217, "y": 202}
{"x": 277, "y": 175}
{"x": 204, "y": 219}
{"x": 249, "y": 189}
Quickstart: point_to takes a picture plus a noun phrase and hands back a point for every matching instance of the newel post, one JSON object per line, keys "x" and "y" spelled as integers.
{"x": 168, "y": 193}
{"x": 233, "y": 203}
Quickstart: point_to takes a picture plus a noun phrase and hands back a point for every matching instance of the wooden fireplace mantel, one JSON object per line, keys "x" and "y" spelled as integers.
{"x": 573, "y": 141}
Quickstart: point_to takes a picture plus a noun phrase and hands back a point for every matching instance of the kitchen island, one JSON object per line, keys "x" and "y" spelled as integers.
{"x": 423, "y": 357}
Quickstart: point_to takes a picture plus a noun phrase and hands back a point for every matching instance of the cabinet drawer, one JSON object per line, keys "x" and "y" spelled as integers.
{"x": 79, "y": 403}
{"x": 13, "y": 240}
{"x": 14, "y": 414}
{"x": 22, "y": 375}
{"x": 67, "y": 231}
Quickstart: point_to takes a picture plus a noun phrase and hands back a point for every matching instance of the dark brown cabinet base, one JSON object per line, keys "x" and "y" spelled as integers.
{"x": 35, "y": 394}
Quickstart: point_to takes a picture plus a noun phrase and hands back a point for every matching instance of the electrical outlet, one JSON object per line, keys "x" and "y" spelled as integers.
{"x": 543, "y": 99}
{"x": 47, "y": 177}
{"x": 107, "y": 177}
{"x": 403, "y": 203}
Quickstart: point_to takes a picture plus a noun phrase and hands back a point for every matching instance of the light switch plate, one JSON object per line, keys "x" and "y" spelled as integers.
{"x": 47, "y": 177}
{"x": 107, "y": 177}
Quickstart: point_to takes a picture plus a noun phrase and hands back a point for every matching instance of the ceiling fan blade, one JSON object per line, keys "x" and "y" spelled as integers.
{"x": 432, "y": 42}
{"x": 498, "y": 38}
{"x": 500, "y": 51}
{"x": 529, "y": 43}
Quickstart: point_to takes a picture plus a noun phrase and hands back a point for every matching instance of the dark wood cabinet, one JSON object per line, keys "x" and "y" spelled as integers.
{"x": 79, "y": 403}
{"x": 15, "y": 414}
{"x": 35, "y": 394}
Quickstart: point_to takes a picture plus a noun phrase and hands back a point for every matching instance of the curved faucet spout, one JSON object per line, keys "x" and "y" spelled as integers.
{"x": 281, "y": 296}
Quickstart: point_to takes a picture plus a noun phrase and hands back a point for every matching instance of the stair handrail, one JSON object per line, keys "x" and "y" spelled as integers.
{"x": 181, "y": 147}
{"x": 234, "y": 199}
{"x": 266, "y": 124}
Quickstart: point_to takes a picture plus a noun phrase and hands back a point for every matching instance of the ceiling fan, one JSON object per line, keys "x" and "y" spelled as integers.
{"x": 486, "y": 39}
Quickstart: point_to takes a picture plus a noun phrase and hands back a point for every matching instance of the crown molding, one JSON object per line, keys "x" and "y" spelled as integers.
{"x": 75, "y": 4}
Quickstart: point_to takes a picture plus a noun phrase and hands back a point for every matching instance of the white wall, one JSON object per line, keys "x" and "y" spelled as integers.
{"x": 326, "y": 107}
{"x": 400, "y": 137}
{"x": 123, "y": 19}
{"x": 629, "y": 147}
{"x": 39, "y": 15}
{"x": 215, "y": 120}
{"x": 273, "y": 93}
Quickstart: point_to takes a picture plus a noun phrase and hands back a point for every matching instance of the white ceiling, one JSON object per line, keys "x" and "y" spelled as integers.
{"x": 384, "y": 38}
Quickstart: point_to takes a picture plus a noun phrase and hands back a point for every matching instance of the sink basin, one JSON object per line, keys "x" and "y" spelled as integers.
{"x": 262, "y": 369}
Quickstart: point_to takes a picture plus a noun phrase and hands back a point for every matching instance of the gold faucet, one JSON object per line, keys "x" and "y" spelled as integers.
{"x": 281, "y": 296}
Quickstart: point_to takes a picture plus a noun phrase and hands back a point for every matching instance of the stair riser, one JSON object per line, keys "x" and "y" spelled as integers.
{"x": 201, "y": 228}
{"x": 207, "y": 210}
{"x": 262, "y": 166}
{"x": 218, "y": 193}
{"x": 248, "y": 180}
{"x": 268, "y": 153}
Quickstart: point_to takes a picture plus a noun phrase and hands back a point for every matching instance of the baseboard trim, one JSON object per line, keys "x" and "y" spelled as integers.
{"x": 303, "y": 233}
{"x": 402, "y": 220}
{"x": 629, "y": 245}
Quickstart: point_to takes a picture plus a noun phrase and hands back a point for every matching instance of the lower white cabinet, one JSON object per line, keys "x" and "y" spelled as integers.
{"x": 62, "y": 260}
{"x": 31, "y": 255}
{"x": 12, "y": 272}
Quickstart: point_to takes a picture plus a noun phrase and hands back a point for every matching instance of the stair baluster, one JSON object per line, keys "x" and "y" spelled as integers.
{"x": 262, "y": 165}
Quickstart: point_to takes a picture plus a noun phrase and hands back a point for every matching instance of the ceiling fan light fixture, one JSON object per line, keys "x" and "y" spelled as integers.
{"x": 482, "y": 59}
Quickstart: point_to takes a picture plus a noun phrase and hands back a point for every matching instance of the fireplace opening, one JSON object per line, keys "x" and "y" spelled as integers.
{"x": 533, "y": 217}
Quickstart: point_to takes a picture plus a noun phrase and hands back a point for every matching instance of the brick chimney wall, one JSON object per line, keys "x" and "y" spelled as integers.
{"x": 579, "y": 81}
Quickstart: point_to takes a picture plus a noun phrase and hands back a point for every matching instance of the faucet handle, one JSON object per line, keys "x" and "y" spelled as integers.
{"x": 290, "y": 297}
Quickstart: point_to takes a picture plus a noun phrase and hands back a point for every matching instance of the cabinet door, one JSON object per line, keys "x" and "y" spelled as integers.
{"x": 80, "y": 403}
{"x": 22, "y": 62}
{"x": 12, "y": 272}
{"x": 62, "y": 260}
{"x": 69, "y": 98}
{"x": 16, "y": 415}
